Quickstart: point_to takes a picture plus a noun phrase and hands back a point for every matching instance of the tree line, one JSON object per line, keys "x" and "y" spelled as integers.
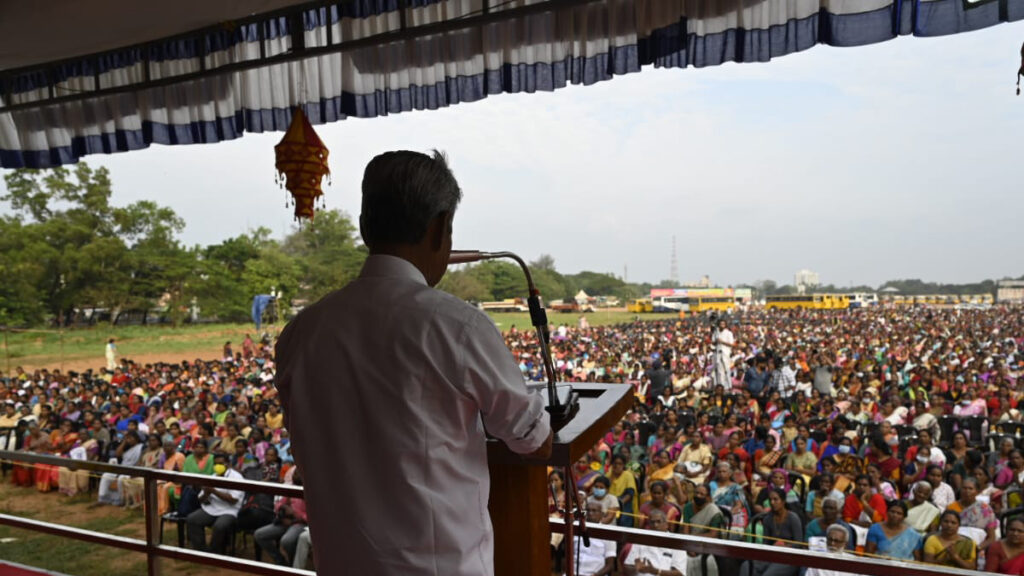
{"x": 65, "y": 249}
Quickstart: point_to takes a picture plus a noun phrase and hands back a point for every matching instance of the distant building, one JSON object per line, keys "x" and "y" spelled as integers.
{"x": 1010, "y": 291}
{"x": 704, "y": 282}
{"x": 805, "y": 279}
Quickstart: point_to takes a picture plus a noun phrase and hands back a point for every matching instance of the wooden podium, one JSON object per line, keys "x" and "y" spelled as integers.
{"x": 519, "y": 490}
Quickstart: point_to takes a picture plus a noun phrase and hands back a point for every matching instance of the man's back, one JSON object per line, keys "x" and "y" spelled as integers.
{"x": 383, "y": 385}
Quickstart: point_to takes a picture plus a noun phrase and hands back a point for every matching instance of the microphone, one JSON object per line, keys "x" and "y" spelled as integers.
{"x": 560, "y": 412}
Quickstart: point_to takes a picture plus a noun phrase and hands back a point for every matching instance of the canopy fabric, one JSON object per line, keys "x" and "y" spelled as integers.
{"x": 386, "y": 66}
{"x": 40, "y": 32}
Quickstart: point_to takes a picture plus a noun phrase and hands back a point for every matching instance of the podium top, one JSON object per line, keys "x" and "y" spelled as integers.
{"x": 601, "y": 406}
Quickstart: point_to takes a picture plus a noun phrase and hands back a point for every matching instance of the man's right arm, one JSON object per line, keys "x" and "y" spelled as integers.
{"x": 491, "y": 377}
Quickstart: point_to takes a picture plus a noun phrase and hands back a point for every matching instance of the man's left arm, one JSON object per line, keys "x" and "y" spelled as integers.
{"x": 492, "y": 378}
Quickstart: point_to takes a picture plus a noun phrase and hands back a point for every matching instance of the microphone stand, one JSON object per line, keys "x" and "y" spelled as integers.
{"x": 560, "y": 413}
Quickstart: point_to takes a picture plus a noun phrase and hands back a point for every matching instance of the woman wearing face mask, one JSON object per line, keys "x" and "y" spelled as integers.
{"x": 609, "y": 503}
{"x": 701, "y": 517}
{"x": 916, "y": 470}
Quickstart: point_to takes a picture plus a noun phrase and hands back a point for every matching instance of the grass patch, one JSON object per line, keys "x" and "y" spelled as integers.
{"x": 80, "y": 348}
{"x": 71, "y": 556}
{"x": 86, "y": 346}
{"x": 77, "y": 558}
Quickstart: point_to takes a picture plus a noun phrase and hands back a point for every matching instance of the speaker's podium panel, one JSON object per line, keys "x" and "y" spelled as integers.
{"x": 519, "y": 490}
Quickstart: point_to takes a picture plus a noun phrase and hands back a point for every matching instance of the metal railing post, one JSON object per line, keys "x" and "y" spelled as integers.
{"x": 149, "y": 507}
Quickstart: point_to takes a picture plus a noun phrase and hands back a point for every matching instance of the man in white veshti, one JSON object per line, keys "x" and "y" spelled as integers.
{"x": 387, "y": 386}
{"x": 723, "y": 355}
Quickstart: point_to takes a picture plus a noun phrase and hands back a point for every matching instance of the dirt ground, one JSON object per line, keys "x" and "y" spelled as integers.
{"x": 82, "y": 364}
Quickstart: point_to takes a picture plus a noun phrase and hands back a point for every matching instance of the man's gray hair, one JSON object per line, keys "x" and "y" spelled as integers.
{"x": 402, "y": 192}
{"x": 834, "y": 501}
{"x": 838, "y": 528}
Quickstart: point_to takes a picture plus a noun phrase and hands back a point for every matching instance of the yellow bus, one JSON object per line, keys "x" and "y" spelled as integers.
{"x": 698, "y": 304}
{"x": 640, "y": 305}
{"x": 809, "y": 301}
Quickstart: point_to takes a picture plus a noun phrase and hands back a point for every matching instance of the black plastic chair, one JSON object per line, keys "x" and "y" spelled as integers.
{"x": 992, "y": 441}
{"x": 1006, "y": 515}
{"x": 687, "y": 419}
{"x": 1011, "y": 428}
{"x": 905, "y": 443}
{"x": 173, "y": 518}
{"x": 905, "y": 430}
{"x": 975, "y": 426}
{"x": 797, "y": 481}
{"x": 948, "y": 425}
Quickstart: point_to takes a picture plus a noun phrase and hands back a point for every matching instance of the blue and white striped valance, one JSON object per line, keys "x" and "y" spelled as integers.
{"x": 387, "y": 67}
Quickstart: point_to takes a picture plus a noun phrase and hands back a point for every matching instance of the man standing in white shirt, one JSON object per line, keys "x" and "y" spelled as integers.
{"x": 388, "y": 385}
{"x": 643, "y": 559}
{"x": 218, "y": 508}
{"x": 723, "y": 355}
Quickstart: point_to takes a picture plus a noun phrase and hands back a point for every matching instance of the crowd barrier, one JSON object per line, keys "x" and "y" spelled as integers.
{"x": 151, "y": 546}
{"x": 155, "y": 550}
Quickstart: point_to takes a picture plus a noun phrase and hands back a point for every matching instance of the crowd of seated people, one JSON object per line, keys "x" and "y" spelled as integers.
{"x": 204, "y": 417}
{"x": 900, "y": 425}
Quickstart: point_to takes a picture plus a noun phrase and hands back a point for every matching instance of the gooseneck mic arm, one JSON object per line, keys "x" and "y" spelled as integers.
{"x": 538, "y": 316}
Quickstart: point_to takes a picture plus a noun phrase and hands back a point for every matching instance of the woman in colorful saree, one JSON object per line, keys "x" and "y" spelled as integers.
{"x": 1007, "y": 555}
{"x": 659, "y": 491}
{"x": 948, "y": 548}
{"x": 624, "y": 488}
{"x": 975, "y": 515}
{"x": 702, "y": 518}
{"x": 200, "y": 461}
{"x": 894, "y": 537}
{"x": 173, "y": 461}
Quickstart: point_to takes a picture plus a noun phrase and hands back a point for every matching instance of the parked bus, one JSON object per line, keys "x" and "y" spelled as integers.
{"x": 670, "y": 303}
{"x": 809, "y": 301}
{"x": 507, "y": 305}
{"x": 862, "y": 299}
{"x": 699, "y": 304}
{"x": 640, "y": 305}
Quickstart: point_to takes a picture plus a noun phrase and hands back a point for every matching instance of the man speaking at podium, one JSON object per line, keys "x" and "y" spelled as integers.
{"x": 388, "y": 386}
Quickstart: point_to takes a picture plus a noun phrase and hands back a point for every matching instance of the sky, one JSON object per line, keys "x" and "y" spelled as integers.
{"x": 896, "y": 160}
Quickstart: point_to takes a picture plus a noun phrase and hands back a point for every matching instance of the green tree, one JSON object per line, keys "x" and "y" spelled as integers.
{"x": 77, "y": 250}
{"x": 465, "y": 285}
{"x": 327, "y": 253}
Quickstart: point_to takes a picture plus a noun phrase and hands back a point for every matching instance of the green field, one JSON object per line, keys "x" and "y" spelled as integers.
{"x": 84, "y": 347}
{"x": 81, "y": 348}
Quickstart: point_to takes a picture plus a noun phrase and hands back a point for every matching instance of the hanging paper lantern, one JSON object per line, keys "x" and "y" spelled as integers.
{"x": 302, "y": 164}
